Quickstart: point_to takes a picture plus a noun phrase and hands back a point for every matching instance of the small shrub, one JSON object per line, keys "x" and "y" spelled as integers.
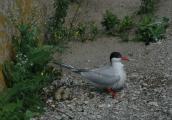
{"x": 27, "y": 74}
{"x": 57, "y": 21}
{"x": 125, "y": 24}
{"x": 150, "y": 30}
{"x": 93, "y": 31}
{"x": 28, "y": 37}
{"x": 61, "y": 38}
{"x": 124, "y": 27}
{"x": 114, "y": 26}
{"x": 81, "y": 31}
{"x": 117, "y": 27}
{"x": 59, "y": 35}
{"x": 84, "y": 31}
{"x": 110, "y": 21}
{"x": 147, "y": 6}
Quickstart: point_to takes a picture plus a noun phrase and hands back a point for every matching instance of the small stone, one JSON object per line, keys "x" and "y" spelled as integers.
{"x": 80, "y": 109}
{"x": 134, "y": 75}
{"x": 134, "y": 107}
{"x": 58, "y": 94}
{"x": 99, "y": 116}
{"x": 133, "y": 98}
{"x": 86, "y": 102}
{"x": 144, "y": 85}
{"x": 130, "y": 54}
{"x": 162, "y": 61}
{"x": 51, "y": 87}
{"x": 33, "y": 119}
{"x": 170, "y": 112}
{"x": 58, "y": 117}
{"x": 108, "y": 105}
{"x": 153, "y": 104}
{"x": 62, "y": 93}
{"x": 45, "y": 90}
{"x": 85, "y": 113}
{"x": 64, "y": 116}
{"x": 101, "y": 105}
{"x": 66, "y": 94}
{"x": 91, "y": 95}
{"x": 49, "y": 101}
{"x": 52, "y": 105}
{"x": 93, "y": 117}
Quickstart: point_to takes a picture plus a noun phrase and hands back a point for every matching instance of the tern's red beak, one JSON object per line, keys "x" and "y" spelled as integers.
{"x": 124, "y": 58}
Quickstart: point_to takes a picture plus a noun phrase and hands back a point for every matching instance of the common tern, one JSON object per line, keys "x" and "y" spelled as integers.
{"x": 111, "y": 77}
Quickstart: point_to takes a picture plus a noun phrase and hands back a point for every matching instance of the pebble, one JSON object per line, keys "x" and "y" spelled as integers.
{"x": 101, "y": 105}
{"x": 49, "y": 101}
{"x": 91, "y": 95}
{"x": 99, "y": 116}
{"x": 153, "y": 104}
{"x": 58, "y": 117}
{"x": 85, "y": 113}
{"x": 86, "y": 102}
{"x": 134, "y": 75}
{"x": 134, "y": 98}
{"x": 170, "y": 112}
{"x": 108, "y": 105}
{"x": 62, "y": 93}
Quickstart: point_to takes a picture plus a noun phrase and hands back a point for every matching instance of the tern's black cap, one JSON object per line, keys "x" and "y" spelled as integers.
{"x": 115, "y": 55}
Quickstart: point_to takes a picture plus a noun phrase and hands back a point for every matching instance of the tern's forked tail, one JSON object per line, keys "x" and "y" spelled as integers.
{"x": 71, "y": 68}
{"x": 64, "y": 65}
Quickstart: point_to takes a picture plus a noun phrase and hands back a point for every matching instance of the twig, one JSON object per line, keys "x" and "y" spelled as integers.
{"x": 70, "y": 117}
{"x": 76, "y": 12}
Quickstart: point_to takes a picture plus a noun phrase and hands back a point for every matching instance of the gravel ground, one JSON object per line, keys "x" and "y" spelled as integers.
{"x": 147, "y": 95}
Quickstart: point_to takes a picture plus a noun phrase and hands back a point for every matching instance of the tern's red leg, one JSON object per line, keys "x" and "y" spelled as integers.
{"x": 110, "y": 90}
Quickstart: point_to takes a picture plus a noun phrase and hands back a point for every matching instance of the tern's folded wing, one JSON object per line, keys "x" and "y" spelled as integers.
{"x": 100, "y": 78}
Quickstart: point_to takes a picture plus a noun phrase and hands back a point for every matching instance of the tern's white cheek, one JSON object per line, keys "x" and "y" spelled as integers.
{"x": 116, "y": 59}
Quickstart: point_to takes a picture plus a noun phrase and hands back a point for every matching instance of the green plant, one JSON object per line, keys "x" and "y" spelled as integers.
{"x": 147, "y": 6}
{"x": 27, "y": 74}
{"x": 124, "y": 27}
{"x": 80, "y": 32}
{"x": 57, "y": 21}
{"x": 61, "y": 38}
{"x": 114, "y": 26}
{"x": 84, "y": 31}
{"x": 28, "y": 37}
{"x": 93, "y": 31}
{"x": 110, "y": 21}
{"x": 125, "y": 24}
{"x": 59, "y": 35}
{"x": 150, "y": 30}
{"x": 117, "y": 27}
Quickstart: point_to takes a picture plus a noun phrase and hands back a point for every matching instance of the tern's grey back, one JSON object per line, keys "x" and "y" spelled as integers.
{"x": 103, "y": 77}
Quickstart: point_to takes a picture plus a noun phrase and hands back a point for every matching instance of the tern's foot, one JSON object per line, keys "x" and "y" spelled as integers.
{"x": 112, "y": 92}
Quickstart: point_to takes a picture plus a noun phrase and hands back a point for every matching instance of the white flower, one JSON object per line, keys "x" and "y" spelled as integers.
{"x": 42, "y": 73}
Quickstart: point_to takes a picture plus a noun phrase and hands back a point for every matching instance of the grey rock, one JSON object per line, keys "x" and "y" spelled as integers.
{"x": 62, "y": 93}
{"x": 153, "y": 104}
{"x": 58, "y": 117}
{"x": 134, "y": 75}
{"x": 170, "y": 112}
{"x": 99, "y": 116}
{"x": 85, "y": 113}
